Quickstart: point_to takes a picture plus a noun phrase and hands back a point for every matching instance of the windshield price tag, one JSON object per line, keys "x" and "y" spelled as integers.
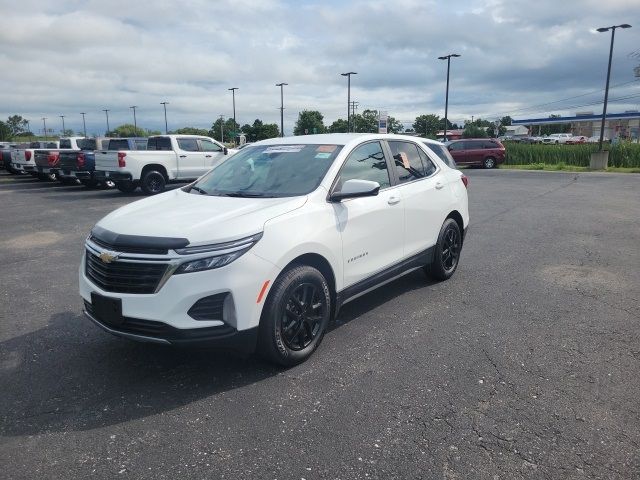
{"x": 284, "y": 149}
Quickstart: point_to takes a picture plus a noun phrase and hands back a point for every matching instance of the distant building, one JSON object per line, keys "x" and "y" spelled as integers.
{"x": 618, "y": 125}
{"x": 516, "y": 131}
{"x": 451, "y": 134}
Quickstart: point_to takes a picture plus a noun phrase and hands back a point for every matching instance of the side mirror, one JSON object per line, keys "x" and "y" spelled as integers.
{"x": 225, "y": 150}
{"x": 356, "y": 188}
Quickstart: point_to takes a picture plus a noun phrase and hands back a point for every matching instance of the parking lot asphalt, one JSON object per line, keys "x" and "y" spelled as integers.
{"x": 524, "y": 365}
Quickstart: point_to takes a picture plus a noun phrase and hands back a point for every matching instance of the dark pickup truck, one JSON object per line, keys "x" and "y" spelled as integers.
{"x": 81, "y": 164}
{"x": 47, "y": 160}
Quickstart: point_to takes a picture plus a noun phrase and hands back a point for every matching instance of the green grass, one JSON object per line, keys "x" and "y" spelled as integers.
{"x": 567, "y": 168}
{"x": 626, "y": 155}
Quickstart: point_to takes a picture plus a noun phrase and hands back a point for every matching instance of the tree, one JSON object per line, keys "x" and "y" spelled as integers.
{"x": 393, "y": 125}
{"x": 192, "y": 131}
{"x": 260, "y": 131}
{"x": 473, "y": 131}
{"x": 16, "y": 124}
{"x": 129, "y": 130}
{"x": 427, "y": 125}
{"x": 228, "y": 127}
{"x": 5, "y": 131}
{"x": 67, "y": 132}
{"x": 339, "y": 126}
{"x": 506, "y": 120}
{"x": 309, "y": 122}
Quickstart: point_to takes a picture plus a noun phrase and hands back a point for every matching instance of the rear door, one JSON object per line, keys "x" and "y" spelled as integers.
{"x": 190, "y": 158}
{"x": 475, "y": 151}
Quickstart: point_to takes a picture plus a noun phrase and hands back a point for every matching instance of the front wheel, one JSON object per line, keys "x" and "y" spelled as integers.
{"x": 489, "y": 162}
{"x": 295, "y": 316}
{"x": 447, "y": 251}
{"x": 153, "y": 182}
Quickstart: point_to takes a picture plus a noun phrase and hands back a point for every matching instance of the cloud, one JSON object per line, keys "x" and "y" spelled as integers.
{"x": 88, "y": 55}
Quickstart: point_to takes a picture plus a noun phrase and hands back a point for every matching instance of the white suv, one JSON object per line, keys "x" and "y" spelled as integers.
{"x": 264, "y": 249}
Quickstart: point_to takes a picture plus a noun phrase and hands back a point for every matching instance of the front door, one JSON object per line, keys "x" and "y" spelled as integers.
{"x": 190, "y": 159}
{"x": 458, "y": 152}
{"x": 372, "y": 228}
{"x": 213, "y": 154}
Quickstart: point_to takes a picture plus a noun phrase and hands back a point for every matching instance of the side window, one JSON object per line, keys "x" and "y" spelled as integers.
{"x": 407, "y": 161}
{"x": 159, "y": 143}
{"x": 456, "y": 146}
{"x": 429, "y": 167}
{"x": 475, "y": 145}
{"x": 490, "y": 144}
{"x": 443, "y": 153}
{"x": 188, "y": 144}
{"x": 209, "y": 146}
{"x": 366, "y": 162}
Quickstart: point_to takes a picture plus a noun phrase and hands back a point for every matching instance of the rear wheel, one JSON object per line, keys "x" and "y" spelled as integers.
{"x": 447, "y": 251}
{"x": 126, "y": 186}
{"x": 489, "y": 162}
{"x": 295, "y": 316}
{"x": 153, "y": 182}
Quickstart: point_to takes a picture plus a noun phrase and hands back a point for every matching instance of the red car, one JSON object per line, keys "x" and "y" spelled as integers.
{"x": 483, "y": 152}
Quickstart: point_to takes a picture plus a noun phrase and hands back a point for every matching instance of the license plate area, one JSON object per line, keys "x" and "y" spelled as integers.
{"x": 107, "y": 309}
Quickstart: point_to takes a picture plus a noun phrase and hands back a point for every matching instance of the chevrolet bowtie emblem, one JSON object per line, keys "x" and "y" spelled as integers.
{"x": 107, "y": 257}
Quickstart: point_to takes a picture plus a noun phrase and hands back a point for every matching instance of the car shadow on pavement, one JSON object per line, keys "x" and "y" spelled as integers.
{"x": 70, "y": 376}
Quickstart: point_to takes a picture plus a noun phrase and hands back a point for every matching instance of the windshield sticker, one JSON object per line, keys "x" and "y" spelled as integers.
{"x": 284, "y": 149}
{"x": 323, "y": 155}
{"x": 326, "y": 149}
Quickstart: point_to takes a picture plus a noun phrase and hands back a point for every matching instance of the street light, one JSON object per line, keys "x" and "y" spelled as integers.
{"x": 233, "y": 93}
{"x": 44, "y": 123}
{"x": 348, "y": 75}
{"x": 84, "y": 124}
{"x": 166, "y": 128}
{"x": 446, "y": 101}
{"x": 281, "y": 85}
{"x": 28, "y": 127}
{"x": 606, "y": 88}
{"x": 106, "y": 111}
{"x": 135, "y": 123}
{"x": 62, "y": 117}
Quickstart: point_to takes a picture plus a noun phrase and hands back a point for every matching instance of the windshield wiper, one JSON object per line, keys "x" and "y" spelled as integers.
{"x": 199, "y": 190}
{"x": 245, "y": 195}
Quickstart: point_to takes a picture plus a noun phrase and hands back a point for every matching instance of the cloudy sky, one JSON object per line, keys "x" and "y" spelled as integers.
{"x": 519, "y": 57}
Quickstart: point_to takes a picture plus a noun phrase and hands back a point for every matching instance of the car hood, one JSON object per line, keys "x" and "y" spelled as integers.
{"x": 202, "y": 219}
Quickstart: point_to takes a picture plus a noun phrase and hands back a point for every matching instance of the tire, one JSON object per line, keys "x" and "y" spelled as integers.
{"x": 153, "y": 182}
{"x": 295, "y": 316}
{"x": 445, "y": 258}
{"x": 106, "y": 184}
{"x": 68, "y": 181}
{"x": 126, "y": 186}
{"x": 47, "y": 177}
{"x": 489, "y": 162}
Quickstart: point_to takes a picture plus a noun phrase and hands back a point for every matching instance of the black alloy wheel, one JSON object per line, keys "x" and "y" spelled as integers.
{"x": 447, "y": 251}
{"x": 295, "y": 316}
{"x": 489, "y": 162}
{"x": 153, "y": 183}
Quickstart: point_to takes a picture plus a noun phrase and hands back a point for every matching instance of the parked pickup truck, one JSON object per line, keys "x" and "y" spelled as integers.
{"x": 168, "y": 158}
{"x": 81, "y": 165}
{"x": 47, "y": 160}
{"x": 557, "y": 138}
{"x": 23, "y": 158}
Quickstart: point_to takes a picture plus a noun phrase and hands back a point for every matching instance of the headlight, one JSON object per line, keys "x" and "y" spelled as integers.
{"x": 225, "y": 253}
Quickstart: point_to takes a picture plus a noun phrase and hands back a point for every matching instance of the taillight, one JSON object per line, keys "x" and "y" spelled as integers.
{"x": 80, "y": 160}
{"x": 53, "y": 158}
{"x": 27, "y": 155}
{"x": 465, "y": 180}
{"x": 121, "y": 159}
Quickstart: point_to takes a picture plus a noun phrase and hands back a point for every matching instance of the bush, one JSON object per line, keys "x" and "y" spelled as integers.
{"x": 620, "y": 155}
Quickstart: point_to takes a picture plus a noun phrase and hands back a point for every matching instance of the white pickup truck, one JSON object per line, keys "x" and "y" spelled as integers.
{"x": 24, "y": 159}
{"x": 557, "y": 138}
{"x": 168, "y": 158}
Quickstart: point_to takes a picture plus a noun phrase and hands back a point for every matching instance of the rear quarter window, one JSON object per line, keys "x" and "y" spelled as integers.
{"x": 159, "y": 143}
{"x": 65, "y": 143}
{"x": 118, "y": 145}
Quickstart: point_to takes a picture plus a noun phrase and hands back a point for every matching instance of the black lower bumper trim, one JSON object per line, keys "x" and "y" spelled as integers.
{"x": 223, "y": 336}
{"x": 115, "y": 176}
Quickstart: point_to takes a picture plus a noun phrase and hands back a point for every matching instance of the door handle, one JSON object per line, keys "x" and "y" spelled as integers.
{"x": 393, "y": 200}
{"x": 183, "y": 156}
{"x": 207, "y": 156}
{"x": 439, "y": 185}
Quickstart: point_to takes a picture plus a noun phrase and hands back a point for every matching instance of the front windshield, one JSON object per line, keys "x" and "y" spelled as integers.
{"x": 269, "y": 171}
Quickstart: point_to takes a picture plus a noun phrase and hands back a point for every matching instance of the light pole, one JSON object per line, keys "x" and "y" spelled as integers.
{"x": 348, "y": 75}
{"x": 28, "y": 128}
{"x": 84, "y": 124}
{"x": 44, "y": 123}
{"x": 135, "y": 123}
{"x": 606, "y": 88}
{"x": 106, "y": 111}
{"x": 281, "y": 85}
{"x": 446, "y": 101}
{"x": 166, "y": 128}
{"x": 62, "y": 117}
{"x": 233, "y": 93}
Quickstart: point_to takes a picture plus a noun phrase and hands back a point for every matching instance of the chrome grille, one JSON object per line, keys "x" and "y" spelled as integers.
{"x": 124, "y": 277}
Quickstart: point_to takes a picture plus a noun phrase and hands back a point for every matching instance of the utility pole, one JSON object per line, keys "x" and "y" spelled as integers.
{"x": 84, "y": 124}
{"x": 44, "y": 123}
{"x": 233, "y": 93}
{"x": 63, "y": 129}
{"x": 28, "y": 128}
{"x": 446, "y": 102}
{"x": 106, "y": 111}
{"x": 135, "y": 123}
{"x": 348, "y": 75}
{"x": 281, "y": 85}
{"x": 166, "y": 128}
{"x": 354, "y": 108}
{"x": 222, "y": 128}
